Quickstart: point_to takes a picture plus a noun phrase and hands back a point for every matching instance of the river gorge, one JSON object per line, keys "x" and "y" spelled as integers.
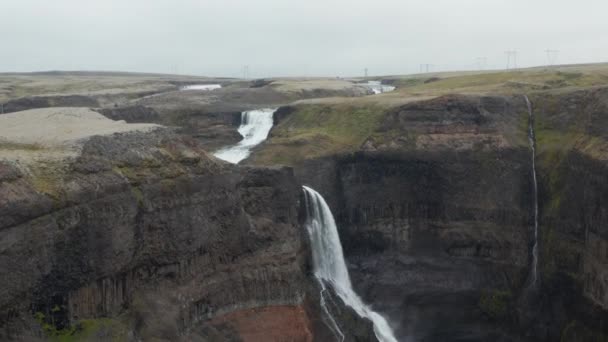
{"x": 307, "y": 210}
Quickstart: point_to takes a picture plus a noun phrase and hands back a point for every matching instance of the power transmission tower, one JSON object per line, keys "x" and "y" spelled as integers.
{"x": 511, "y": 59}
{"x": 481, "y": 62}
{"x": 365, "y": 72}
{"x": 552, "y": 56}
{"x": 424, "y": 68}
{"x": 246, "y": 71}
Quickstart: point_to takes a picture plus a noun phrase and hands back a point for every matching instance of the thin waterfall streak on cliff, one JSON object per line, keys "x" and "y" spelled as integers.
{"x": 329, "y": 264}
{"x": 255, "y": 126}
{"x": 532, "y": 140}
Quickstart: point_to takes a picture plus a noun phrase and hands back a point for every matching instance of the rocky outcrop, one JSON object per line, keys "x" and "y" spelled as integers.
{"x": 572, "y": 163}
{"x": 32, "y": 102}
{"x": 140, "y": 235}
{"x": 137, "y": 222}
{"x": 149, "y": 224}
{"x": 131, "y": 114}
{"x": 435, "y": 214}
{"x": 212, "y": 130}
{"x": 425, "y": 239}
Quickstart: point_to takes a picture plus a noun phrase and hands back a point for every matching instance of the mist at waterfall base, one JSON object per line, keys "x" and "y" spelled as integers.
{"x": 255, "y": 126}
{"x": 330, "y": 266}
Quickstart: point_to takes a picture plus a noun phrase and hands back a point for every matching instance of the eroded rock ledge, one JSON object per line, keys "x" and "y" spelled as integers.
{"x": 140, "y": 234}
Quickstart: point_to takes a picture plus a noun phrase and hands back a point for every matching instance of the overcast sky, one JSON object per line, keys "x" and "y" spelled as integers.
{"x": 296, "y": 37}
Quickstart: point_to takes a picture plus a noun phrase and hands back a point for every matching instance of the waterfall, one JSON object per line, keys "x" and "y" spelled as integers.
{"x": 206, "y": 87}
{"x": 255, "y": 126}
{"x": 532, "y": 140}
{"x": 330, "y": 267}
{"x": 378, "y": 88}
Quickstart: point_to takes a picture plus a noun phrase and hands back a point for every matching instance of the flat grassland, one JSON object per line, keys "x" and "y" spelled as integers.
{"x": 325, "y": 126}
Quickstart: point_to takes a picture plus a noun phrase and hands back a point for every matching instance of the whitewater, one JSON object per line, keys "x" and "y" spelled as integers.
{"x": 255, "y": 126}
{"x": 330, "y": 266}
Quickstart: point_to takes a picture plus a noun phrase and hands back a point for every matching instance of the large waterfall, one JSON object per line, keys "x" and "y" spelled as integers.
{"x": 330, "y": 267}
{"x": 532, "y": 140}
{"x": 255, "y": 126}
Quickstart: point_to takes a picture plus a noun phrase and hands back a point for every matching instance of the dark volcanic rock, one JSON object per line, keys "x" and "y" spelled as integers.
{"x": 213, "y": 130}
{"x": 425, "y": 237}
{"x": 213, "y": 117}
{"x": 436, "y": 218}
{"x": 148, "y": 232}
{"x": 32, "y": 102}
{"x": 131, "y": 114}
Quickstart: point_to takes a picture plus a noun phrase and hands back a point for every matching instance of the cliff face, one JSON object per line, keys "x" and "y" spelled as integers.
{"x": 436, "y": 217}
{"x": 428, "y": 237}
{"x": 32, "y": 102}
{"x": 140, "y": 235}
{"x": 145, "y": 236}
{"x": 572, "y": 142}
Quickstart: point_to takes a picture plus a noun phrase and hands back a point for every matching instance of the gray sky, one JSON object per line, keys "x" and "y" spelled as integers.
{"x": 296, "y": 37}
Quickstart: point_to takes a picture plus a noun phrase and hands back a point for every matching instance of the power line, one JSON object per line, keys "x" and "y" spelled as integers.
{"x": 511, "y": 59}
{"x": 482, "y": 62}
{"x": 552, "y": 56}
{"x": 425, "y": 68}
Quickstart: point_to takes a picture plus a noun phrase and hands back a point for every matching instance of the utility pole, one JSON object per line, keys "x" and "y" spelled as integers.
{"x": 424, "y": 68}
{"x": 481, "y": 62}
{"x": 551, "y": 56}
{"x": 511, "y": 59}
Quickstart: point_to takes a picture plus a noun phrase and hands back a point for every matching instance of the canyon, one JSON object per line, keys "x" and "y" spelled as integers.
{"x": 446, "y": 212}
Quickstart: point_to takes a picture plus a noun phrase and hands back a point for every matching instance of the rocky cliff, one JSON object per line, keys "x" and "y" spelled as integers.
{"x": 140, "y": 235}
{"x": 132, "y": 232}
{"x": 435, "y": 214}
{"x": 435, "y": 209}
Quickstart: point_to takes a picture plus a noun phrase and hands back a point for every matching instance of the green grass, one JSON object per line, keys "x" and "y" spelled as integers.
{"x": 325, "y": 127}
{"x": 577, "y": 331}
{"x": 8, "y": 145}
{"x": 506, "y": 82}
{"x": 320, "y": 129}
{"x": 99, "y": 329}
{"x": 495, "y": 303}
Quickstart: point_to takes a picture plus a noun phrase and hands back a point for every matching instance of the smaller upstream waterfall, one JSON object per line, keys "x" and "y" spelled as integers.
{"x": 201, "y": 87}
{"x": 255, "y": 126}
{"x": 532, "y": 140}
{"x": 330, "y": 266}
{"x": 378, "y": 88}
{"x": 205, "y": 87}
